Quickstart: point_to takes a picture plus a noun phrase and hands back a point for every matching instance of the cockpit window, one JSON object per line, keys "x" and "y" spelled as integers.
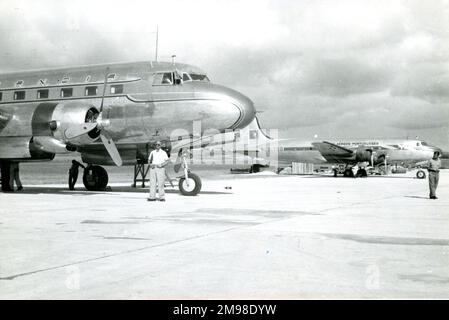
{"x": 424, "y": 143}
{"x": 199, "y": 77}
{"x": 186, "y": 77}
{"x": 165, "y": 78}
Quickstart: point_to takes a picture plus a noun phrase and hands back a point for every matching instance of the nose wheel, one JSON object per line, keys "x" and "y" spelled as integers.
{"x": 190, "y": 186}
{"x": 189, "y": 183}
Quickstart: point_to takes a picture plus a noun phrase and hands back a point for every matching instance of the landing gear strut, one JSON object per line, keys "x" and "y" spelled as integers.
{"x": 189, "y": 183}
{"x": 95, "y": 178}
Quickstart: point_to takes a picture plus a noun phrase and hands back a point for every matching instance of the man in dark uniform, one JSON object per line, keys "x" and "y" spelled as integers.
{"x": 15, "y": 177}
{"x": 433, "y": 166}
{"x": 5, "y": 167}
{"x": 73, "y": 173}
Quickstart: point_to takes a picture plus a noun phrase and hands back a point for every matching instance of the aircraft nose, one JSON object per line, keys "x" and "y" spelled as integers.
{"x": 247, "y": 110}
{"x": 234, "y": 109}
{"x": 243, "y": 103}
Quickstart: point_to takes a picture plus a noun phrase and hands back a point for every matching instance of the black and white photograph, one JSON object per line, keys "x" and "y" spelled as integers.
{"x": 224, "y": 150}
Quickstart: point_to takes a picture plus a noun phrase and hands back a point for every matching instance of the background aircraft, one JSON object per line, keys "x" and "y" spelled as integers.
{"x": 113, "y": 114}
{"x": 345, "y": 153}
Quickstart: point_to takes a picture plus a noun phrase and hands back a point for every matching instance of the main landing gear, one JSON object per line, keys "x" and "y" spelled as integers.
{"x": 361, "y": 172}
{"x": 95, "y": 178}
{"x": 420, "y": 174}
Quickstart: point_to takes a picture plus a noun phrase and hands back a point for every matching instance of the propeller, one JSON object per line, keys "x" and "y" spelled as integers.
{"x": 101, "y": 125}
{"x": 108, "y": 142}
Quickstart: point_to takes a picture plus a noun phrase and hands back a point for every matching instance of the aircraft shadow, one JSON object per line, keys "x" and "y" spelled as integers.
{"x": 83, "y": 191}
{"x": 417, "y": 197}
{"x": 341, "y": 177}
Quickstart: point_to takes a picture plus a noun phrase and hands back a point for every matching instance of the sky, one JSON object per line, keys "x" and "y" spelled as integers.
{"x": 318, "y": 70}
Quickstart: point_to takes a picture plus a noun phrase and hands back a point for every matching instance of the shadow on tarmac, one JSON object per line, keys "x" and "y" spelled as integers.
{"x": 417, "y": 197}
{"x": 83, "y": 191}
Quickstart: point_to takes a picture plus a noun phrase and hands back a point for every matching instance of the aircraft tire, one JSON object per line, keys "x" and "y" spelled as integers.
{"x": 335, "y": 173}
{"x": 348, "y": 173}
{"x": 95, "y": 178}
{"x": 420, "y": 174}
{"x": 361, "y": 173}
{"x": 194, "y": 185}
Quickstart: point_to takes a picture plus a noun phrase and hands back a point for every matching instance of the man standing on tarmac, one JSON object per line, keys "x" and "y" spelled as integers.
{"x": 73, "y": 173}
{"x": 433, "y": 166}
{"x": 158, "y": 160}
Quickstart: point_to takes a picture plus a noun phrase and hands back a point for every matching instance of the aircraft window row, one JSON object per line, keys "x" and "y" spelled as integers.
{"x": 298, "y": 148}
{"x": 65, "y": 92}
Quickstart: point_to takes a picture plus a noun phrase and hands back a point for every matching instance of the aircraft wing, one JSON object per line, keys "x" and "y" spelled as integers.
{"x": 327, "y": 148}
{"x": 333, "y": 153}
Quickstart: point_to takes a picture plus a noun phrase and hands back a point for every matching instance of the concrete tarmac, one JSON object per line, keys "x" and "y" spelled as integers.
{"x": 268, "y": 237}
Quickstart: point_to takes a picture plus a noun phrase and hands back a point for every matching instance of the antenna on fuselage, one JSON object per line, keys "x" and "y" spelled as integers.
{"x": 173, "y": 59}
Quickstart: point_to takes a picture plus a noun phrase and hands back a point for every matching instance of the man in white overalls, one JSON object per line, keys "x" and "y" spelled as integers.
{"x": 158, "y": 159}
{"x": 433, "y": 166}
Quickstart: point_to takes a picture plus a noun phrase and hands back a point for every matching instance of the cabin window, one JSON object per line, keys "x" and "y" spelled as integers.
{"x": 163, "y": 78}
{"x": 66, "y": 92}
{"x": 42, "y": 94}
{"x": 91, "y": 91}
{"x": 1, "y": 96}
{"x": 19, "y": 95}
{"x": 117, "y": 89}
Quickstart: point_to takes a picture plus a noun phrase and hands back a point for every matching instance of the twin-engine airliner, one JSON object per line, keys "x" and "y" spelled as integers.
{"x": 112, "y": 114}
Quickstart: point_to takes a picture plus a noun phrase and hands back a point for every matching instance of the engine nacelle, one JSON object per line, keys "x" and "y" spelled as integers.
{"x": 23, "y": 149}
{"x": 363, "y": 154}
{"x": 67, "y": 115}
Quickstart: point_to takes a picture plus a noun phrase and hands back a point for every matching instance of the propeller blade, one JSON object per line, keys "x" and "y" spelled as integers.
{"x": 104, "y": 88}
{"x": 112, "y": 149}
{"x": 75, "y": 131}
